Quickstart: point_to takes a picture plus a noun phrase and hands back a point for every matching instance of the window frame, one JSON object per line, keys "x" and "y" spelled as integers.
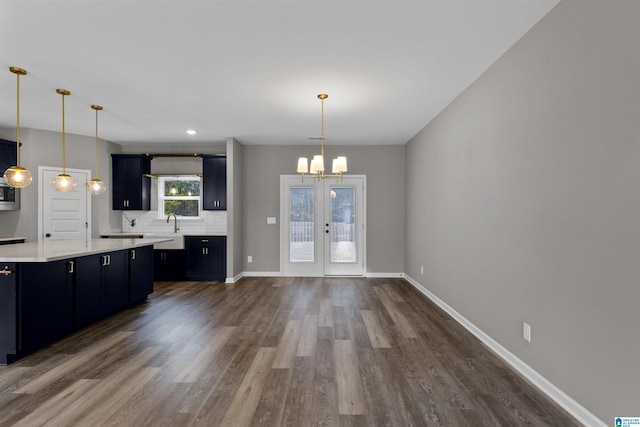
{"x": 162, "y": 197}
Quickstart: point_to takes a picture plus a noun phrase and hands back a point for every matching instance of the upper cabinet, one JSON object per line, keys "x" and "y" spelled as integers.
{"x": 131, "y": 185}
{"x": 7, "y": 155}
{"x": 214, "y": 181}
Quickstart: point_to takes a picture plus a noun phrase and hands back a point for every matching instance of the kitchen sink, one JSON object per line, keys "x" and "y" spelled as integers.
{"x": 176, "y": 242}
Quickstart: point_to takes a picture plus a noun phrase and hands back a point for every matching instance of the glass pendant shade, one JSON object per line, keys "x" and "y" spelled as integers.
{"x": 96, "y": 186}
{"x": 64, "y": 183}
{"x": 17, "y": 177}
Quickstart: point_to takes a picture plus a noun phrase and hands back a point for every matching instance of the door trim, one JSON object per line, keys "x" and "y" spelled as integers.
{"x": 318, "y": 269}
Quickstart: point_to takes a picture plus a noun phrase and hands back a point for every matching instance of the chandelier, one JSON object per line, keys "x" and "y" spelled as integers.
{"x": 316, "y": 169}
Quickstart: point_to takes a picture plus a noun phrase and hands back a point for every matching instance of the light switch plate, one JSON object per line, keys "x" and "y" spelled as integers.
{"x": 271, "y": 220}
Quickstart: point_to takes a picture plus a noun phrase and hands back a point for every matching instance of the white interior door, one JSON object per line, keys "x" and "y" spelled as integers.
{"x": 63, "y": 216}
{"x": 322, "y": 226}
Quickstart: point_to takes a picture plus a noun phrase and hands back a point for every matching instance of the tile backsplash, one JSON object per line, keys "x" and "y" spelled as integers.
{"x": 211, "y": 222}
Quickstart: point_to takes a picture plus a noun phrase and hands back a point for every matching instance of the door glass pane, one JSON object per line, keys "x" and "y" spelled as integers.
{"x": 301, "y": 235}
{"x": 343, "y": 218}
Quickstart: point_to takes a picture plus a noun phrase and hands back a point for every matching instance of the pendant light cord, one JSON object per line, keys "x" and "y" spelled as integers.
{"x": 18, "y": 121}
{"x": 64, "y": 169}
{"x": 322, "y": 99}
{"x": 97, "y": 174}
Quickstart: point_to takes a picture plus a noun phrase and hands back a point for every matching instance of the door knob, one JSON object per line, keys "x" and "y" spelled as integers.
{"x": 326, "y": 231}
{"x": 47, "y": 235}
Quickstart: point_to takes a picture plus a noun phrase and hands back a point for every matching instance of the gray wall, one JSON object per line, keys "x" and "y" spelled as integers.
{"x": 234, "y": 207}
{"x": 43, "y": 148}
{"x": 383, "y": 165}
{"x": 525, "y": 202}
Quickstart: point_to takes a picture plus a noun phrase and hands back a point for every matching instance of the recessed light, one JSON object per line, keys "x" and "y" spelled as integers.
{"x": 191, "y": 132}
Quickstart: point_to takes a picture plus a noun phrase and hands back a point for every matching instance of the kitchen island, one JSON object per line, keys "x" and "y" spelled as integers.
{"x": 51, "y": 289}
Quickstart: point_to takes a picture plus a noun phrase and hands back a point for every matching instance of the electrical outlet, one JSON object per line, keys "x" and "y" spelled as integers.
{"x": 526, "y": 331}
{"x": 249, "y": 259}
{"x": 422, "y": 269}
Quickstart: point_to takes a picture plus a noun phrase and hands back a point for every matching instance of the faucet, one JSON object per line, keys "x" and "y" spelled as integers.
{"x": 175, "y": 222}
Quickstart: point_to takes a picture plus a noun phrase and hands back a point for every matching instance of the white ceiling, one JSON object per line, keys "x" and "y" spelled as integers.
{"x": 248, "y": 69}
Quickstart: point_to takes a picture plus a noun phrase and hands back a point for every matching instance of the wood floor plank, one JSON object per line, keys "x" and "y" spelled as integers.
{"x": 308, "y": 336}
{"x": 55, "y": 406}
{"x": 376, "y": 334}
{"x": 286, "y": 350}
{"x": 73, "y": 363}
{"x": 350, "y": 395}
{"x": 248, "y": 395}
{"x": 193, "y": 369}
{"x": 399, "y": 319}
{"x": 325, "y": 318}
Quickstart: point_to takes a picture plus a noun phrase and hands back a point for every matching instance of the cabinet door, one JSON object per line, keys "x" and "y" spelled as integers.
{"x": 7, "y": 155}
{"x": 88, "y": 290}
{"x": 214, "y": 178}
{"x": 45, "y": 303}
{"x": 140, "y": 273}
{"x": 131, "y": 189}
{"x": 206, "y": 257}
{"x": 115, "y": 283}
{"x": 8, "y": 312}
{"x": 169, "y": 265}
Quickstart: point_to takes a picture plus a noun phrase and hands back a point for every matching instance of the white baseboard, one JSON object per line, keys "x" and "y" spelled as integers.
{"x": 384, "y": 275}
{"x": 561, "y": 398}
{"x": 261, "y": 274}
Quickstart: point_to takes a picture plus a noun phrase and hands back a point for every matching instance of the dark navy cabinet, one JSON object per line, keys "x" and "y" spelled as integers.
{"x": 170, "y": 264}
{"x": 88, "y": 290}
{"x": 206, "y": 257}
{"x": 102, "y": 286}
{"x": 45, "y": 303}
{"x": 131, "y": 187}
{"x": 214, "y": 182}
{"x": 41, "y": 302}
{"x": 140, "y": 273}
{"x": 7, "y": 155}
{"x": 8, "y": 311}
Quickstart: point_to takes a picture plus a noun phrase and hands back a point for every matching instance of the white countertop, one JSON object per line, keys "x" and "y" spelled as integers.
{"x": 54, "y": 250}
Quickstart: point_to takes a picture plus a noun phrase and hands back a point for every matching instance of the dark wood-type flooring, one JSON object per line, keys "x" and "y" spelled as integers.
{"x": 273, "y": 351}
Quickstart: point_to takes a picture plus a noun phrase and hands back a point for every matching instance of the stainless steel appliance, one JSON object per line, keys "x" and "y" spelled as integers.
{"x": 9, "y": 197}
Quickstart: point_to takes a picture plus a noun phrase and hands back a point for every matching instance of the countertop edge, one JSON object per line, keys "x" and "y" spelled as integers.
{"x": 31, "y": 252}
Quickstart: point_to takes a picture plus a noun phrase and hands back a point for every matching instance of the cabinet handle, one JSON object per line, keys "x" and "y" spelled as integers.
{"x": 104, "y": 260}
{"x": 204, "y": 241}
{"x": 109, "y": 257}
{"x": 71, "y": 266}
{"x": 207, "y": 251}
{"x": 133, "y": 254}
{"x": 5, "y": 271}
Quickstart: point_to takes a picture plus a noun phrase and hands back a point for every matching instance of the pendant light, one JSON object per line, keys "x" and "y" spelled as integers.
{"x": 316, "y": 168}
{"x": 63, "y": 182}
{"x": 17, "y": 176}
{"x": 96, "y": 186}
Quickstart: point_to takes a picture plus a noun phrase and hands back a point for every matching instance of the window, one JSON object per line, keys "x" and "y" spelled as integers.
{"x": 179, "y": 195}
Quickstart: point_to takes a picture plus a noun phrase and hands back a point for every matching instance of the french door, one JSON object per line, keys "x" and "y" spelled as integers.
{"x": 322, "y": 229}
